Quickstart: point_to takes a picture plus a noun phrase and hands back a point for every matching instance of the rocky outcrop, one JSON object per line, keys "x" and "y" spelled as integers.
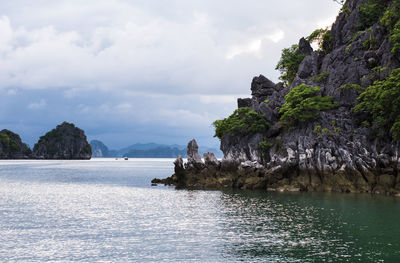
{"x": 336, "y": 152}
{"x": 99, "y": 149}
{"x": 12, "y": 147}
{"x": 64, "y": 142}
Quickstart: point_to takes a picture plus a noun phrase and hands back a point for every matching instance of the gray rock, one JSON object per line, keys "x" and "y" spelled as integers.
{"x": 304, "y": 47}
{"x": 210, "y": 159}
{"x": 193, "y": 152}
{"x": 261, "y": 86}
{"x": 242, "y": 103}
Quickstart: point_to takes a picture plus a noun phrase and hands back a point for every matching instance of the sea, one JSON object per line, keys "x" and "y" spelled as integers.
{"x": 105, "y": 210}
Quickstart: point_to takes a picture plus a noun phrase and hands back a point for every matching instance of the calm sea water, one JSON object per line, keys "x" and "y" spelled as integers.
{"x": 105, "y": 210}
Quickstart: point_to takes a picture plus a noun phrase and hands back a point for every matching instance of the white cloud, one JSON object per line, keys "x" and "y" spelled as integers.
{"x": 37, "y": 105}
{"x": 99, "y": 58}
{"x": 254, "y": 46}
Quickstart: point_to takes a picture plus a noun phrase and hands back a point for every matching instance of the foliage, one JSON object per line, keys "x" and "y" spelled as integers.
{"x": 317, "y": 37}
{"x": 317, "y": 130}
{"x": 355, "y": 87}
{"x": 4, "y": 140}
{"x": 264, "y": 147}
{"x": 391, "y": 21}
{"x": 382, "y": 101}
{"x": 8, "y": 142}
{"x": 348, "y": 49}
{"x": 321, "y": 78}
{"x": 394, "y": 38}
{"x": 327, "y": 131}
{"x": 266, "y": 101}
{"x": 289, "y": 63}
{"x": 370, "y": 13}
{"x": 243, "y": 121}
{"x": 323, "y": 38}
{"x": 327, "y": 42}
{"x": 302, "y": 103}
{"x": 58, "y": 133}
{"x": 370, "y": 43}
{"x": 391, "y": 15}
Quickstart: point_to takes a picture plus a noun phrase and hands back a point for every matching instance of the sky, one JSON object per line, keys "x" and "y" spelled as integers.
{"x": 141, "y": 71}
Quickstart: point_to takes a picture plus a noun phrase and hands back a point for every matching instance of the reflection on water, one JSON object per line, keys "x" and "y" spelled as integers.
{"x": 298, "y": 227}
{"x": 105, "y": 210}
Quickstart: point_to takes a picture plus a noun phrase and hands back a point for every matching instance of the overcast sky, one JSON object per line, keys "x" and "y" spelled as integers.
{"x": 141, "y": 71}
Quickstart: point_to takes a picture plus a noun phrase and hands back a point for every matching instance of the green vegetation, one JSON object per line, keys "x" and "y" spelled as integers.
{"x": 8, "y": 142}
{"x": 321, "y": 78}
{"x": 355, "y": 87}
{"x": 323, "y": 38}
{"x": 391, "y": 21}
{"x": 327, "y": 42}
{"x": 391, "y": 15}
{"x": 302, "y": 104}
{"x": 317, "y": 37}
{"x": 382, "y": 101}
{"x": 4, "y": 140}
{"x": 58, "y": 133}
{"x": 370, "y": 43}
{"x": 348, "y": 49}
{"x": 243, "y": 121}
{"x": 333, "y": 130}
{"x": 266, "y": 101}
{"x": 317, "y": 130}
{"x": 370, "y": 13}
{"x": 394, "y": 38}
{"x": 289, "y": 63}
{"x": 264, "y": 147}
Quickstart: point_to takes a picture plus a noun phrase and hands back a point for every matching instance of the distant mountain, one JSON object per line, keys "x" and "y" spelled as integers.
{"x": 158, "y": 152}
{"x": 147, "y": 150}
{"x": 99, "y": 149}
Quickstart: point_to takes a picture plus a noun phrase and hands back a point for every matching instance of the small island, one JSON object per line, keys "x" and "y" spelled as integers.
{"x": 65, "y": 142}
{"x": 332, "y": 124}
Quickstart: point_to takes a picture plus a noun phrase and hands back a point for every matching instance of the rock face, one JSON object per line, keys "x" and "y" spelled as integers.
{"x": 11, "y": 146}
{"x": 343, "y": 155}
{"x": 64, "y": 142}
{"x": 99, "y": 150}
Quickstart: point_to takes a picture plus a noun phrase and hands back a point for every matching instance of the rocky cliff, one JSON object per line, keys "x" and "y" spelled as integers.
{"x": 11, "y": 146}
{"x": 64, "y": 142}
{"x": 329, "y": 126}
{"x": 99, "y": 149}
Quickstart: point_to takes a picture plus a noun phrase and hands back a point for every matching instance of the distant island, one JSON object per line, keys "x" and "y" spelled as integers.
{"x": 65, "y": 142}
{"x": 68, "y": 142}
{"x": 332, "y": 124}
{"x": 145, "y": 150}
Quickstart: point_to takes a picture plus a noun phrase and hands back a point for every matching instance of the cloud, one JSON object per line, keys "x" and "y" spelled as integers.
{"x": 253, "y": 47}
{"x": 141, "y": 69}
{"x": 37, "y": 105}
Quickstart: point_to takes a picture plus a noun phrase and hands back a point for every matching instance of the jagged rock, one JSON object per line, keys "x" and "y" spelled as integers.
{"x": 64, "y": 142}
{"x": 261, "y": 86}
{"x": 305, "y": 47}
{"x": 12, "y": 147}
{"x": 178, "y": 164}
{"x": 268, "y": 112}
{"x": 210, "y": 159}
{"x": 242, "y": 103}
{"x": 193, "y": 152}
